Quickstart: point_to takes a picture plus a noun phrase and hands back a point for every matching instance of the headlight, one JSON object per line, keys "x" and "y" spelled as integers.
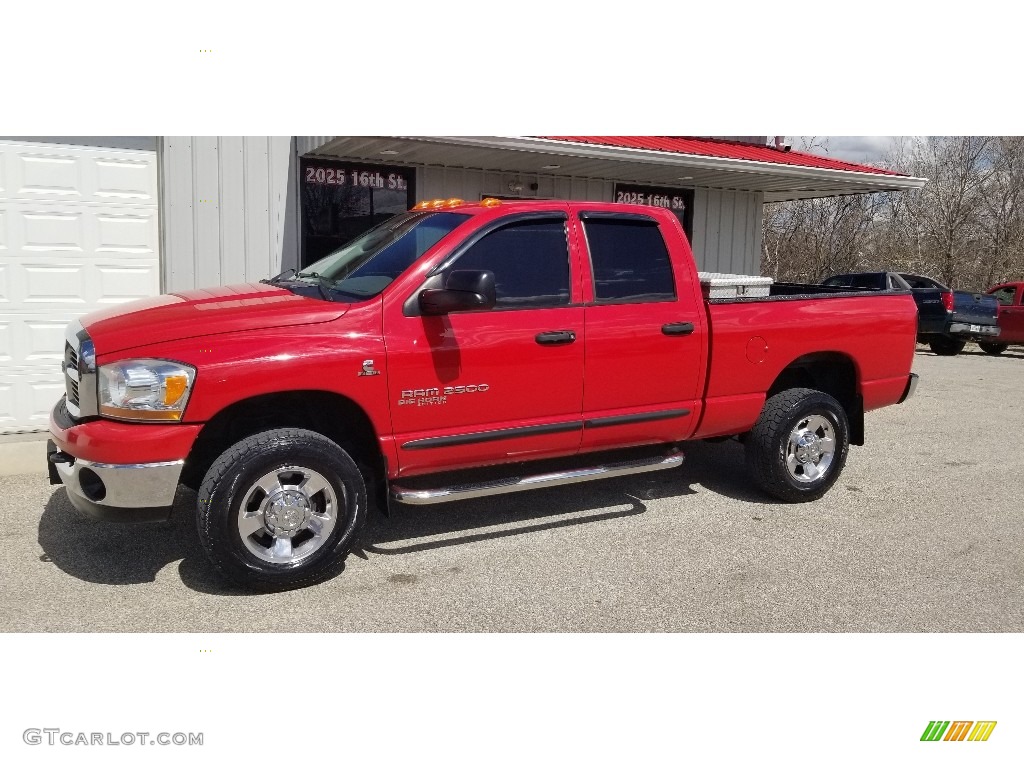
{"x": 145, "y": 390}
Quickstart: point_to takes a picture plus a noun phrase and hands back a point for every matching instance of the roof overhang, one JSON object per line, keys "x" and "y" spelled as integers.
{"x": 518, "y": 154}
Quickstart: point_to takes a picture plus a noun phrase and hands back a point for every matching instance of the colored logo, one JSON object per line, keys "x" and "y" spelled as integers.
{"x": 958, "y": 730}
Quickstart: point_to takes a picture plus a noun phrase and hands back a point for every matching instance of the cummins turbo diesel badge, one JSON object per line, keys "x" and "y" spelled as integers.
{"x": 439, "y": 395}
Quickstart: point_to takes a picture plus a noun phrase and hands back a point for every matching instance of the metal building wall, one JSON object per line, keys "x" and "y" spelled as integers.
{"x": 726, "y": 223}
{"x": 306, "y": 144}
{"x": 474, "y": 184}
{"x": 229, "y": 209}
{"x": 727, "y": 231}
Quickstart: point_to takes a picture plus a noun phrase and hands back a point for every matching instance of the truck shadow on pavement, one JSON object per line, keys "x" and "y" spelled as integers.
{"x": 121, "y": 554}
{"x": 416, "y": 529}
{"x": 1012, "y": 353}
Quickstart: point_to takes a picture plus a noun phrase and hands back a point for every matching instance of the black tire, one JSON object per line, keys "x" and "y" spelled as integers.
{"x": 297, "y": 459}
{"x": 990, "y": 348}
{"x": 770, "y": 450}
{"x": 946, "y": 346}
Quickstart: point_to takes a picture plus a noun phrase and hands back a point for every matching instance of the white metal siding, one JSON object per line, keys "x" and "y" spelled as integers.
{"x": 78, "y": 231}
{"x": 307, "y": 144}
{"x": 473, "y": 184}
{"x": 230, "y": 209}
{"x": 727, "y": 231}
{"x": 726, "y": 223}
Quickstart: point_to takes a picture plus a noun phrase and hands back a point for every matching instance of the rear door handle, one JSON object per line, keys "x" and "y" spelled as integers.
{"x": 677, "y": 329}
{"x": 556, "y": 337}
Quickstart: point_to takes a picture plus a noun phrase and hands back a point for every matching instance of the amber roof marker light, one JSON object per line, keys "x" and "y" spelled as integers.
{"x": 453, "y": 202}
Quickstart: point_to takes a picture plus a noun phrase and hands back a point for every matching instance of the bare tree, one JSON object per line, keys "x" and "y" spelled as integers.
{"x": 807, "y": 240}
{"x": 947, "y": 211}
{"x": 965, "y": 227}
{"x": 1003, "y": 206}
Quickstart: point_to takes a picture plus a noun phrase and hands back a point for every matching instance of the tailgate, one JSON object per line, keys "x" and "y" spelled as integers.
{"x": 974, "y": 308}
{"x": 929, "y": 303}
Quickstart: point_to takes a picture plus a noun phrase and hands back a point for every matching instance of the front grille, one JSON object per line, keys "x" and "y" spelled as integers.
{"x": 79, "y": 371}
{"x": 70, "y": 355}
{"x": 71, "y": 379}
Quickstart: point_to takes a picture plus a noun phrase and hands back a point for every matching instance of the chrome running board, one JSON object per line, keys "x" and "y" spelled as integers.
{"x": 514, "y": 484}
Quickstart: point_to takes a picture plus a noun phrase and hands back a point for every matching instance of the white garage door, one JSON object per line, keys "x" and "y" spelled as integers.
{"x": 78, "y": 231}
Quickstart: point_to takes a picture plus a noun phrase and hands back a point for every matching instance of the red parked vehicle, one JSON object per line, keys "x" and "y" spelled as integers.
{"x": 1011, "y": 317}
{"x": 457, "y": 351}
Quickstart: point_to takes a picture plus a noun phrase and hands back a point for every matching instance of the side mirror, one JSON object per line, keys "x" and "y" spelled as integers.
{"x": 464, "y": 290}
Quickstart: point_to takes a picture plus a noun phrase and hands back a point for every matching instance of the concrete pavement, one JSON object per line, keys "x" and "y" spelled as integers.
{"x": 923, "y": 532}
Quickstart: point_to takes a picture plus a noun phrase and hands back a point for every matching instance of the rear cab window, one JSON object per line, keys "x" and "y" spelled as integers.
{"x": 920, "y": 282}
{"x": 871, "y": 281}
{"x": 897, "y": 283}
{"x": 839, "y": 281}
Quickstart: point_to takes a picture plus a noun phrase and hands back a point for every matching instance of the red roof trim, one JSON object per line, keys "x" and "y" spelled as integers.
{"x": 735, "y": 150}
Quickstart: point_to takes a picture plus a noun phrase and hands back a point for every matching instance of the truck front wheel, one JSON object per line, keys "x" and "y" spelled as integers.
{"x": 281, "y": 509}
{"x": 798, "y": 447}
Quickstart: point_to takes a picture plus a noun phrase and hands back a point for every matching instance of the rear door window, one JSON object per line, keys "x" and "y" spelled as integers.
{"x": 629, "y": 259}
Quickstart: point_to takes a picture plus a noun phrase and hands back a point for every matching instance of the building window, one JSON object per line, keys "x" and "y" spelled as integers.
{"x": 342, "y": 200}
{"x": 679, "y": 201}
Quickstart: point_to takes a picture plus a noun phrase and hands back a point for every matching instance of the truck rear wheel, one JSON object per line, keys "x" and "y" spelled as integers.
{"x": 798, "y": 447}
{"x": 990, "y": 348}
{"x": 281, "y": 509}
{"x": 946, "y": 346}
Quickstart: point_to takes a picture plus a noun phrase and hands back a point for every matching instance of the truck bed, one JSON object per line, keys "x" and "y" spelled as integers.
{"x": 754, "y": 339}
{"x": 794, "y": 291}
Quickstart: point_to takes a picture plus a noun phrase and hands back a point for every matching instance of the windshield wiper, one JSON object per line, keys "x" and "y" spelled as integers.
{"x": 281, "y": 276}
{"x": 323, "y": 283}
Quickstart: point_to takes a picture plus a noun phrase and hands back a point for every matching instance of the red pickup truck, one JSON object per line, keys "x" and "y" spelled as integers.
{"x": 455, "y": 351}
{"x": 1011, "y": 318}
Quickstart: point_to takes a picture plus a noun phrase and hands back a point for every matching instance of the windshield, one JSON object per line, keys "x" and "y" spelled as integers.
{"x": 367, "y": 265}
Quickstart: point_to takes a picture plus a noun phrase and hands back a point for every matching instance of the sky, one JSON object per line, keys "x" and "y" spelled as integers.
{"x": 855, "y": 149}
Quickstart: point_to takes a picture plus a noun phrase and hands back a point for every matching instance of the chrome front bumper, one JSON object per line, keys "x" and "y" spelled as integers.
{"x": 117, "y": 492}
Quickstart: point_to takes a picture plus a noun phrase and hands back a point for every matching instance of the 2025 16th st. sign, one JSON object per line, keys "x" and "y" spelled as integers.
{"x": 679, "y": 201}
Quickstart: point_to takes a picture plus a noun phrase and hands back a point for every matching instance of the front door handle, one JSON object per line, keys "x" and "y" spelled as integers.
{"x": 677, "y": 329}
{"x": 556, "y": 337}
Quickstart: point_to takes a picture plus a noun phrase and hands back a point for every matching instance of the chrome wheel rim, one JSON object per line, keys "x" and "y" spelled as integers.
{"x": 811, "y": 449}
{"x": 287, "y": 515}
